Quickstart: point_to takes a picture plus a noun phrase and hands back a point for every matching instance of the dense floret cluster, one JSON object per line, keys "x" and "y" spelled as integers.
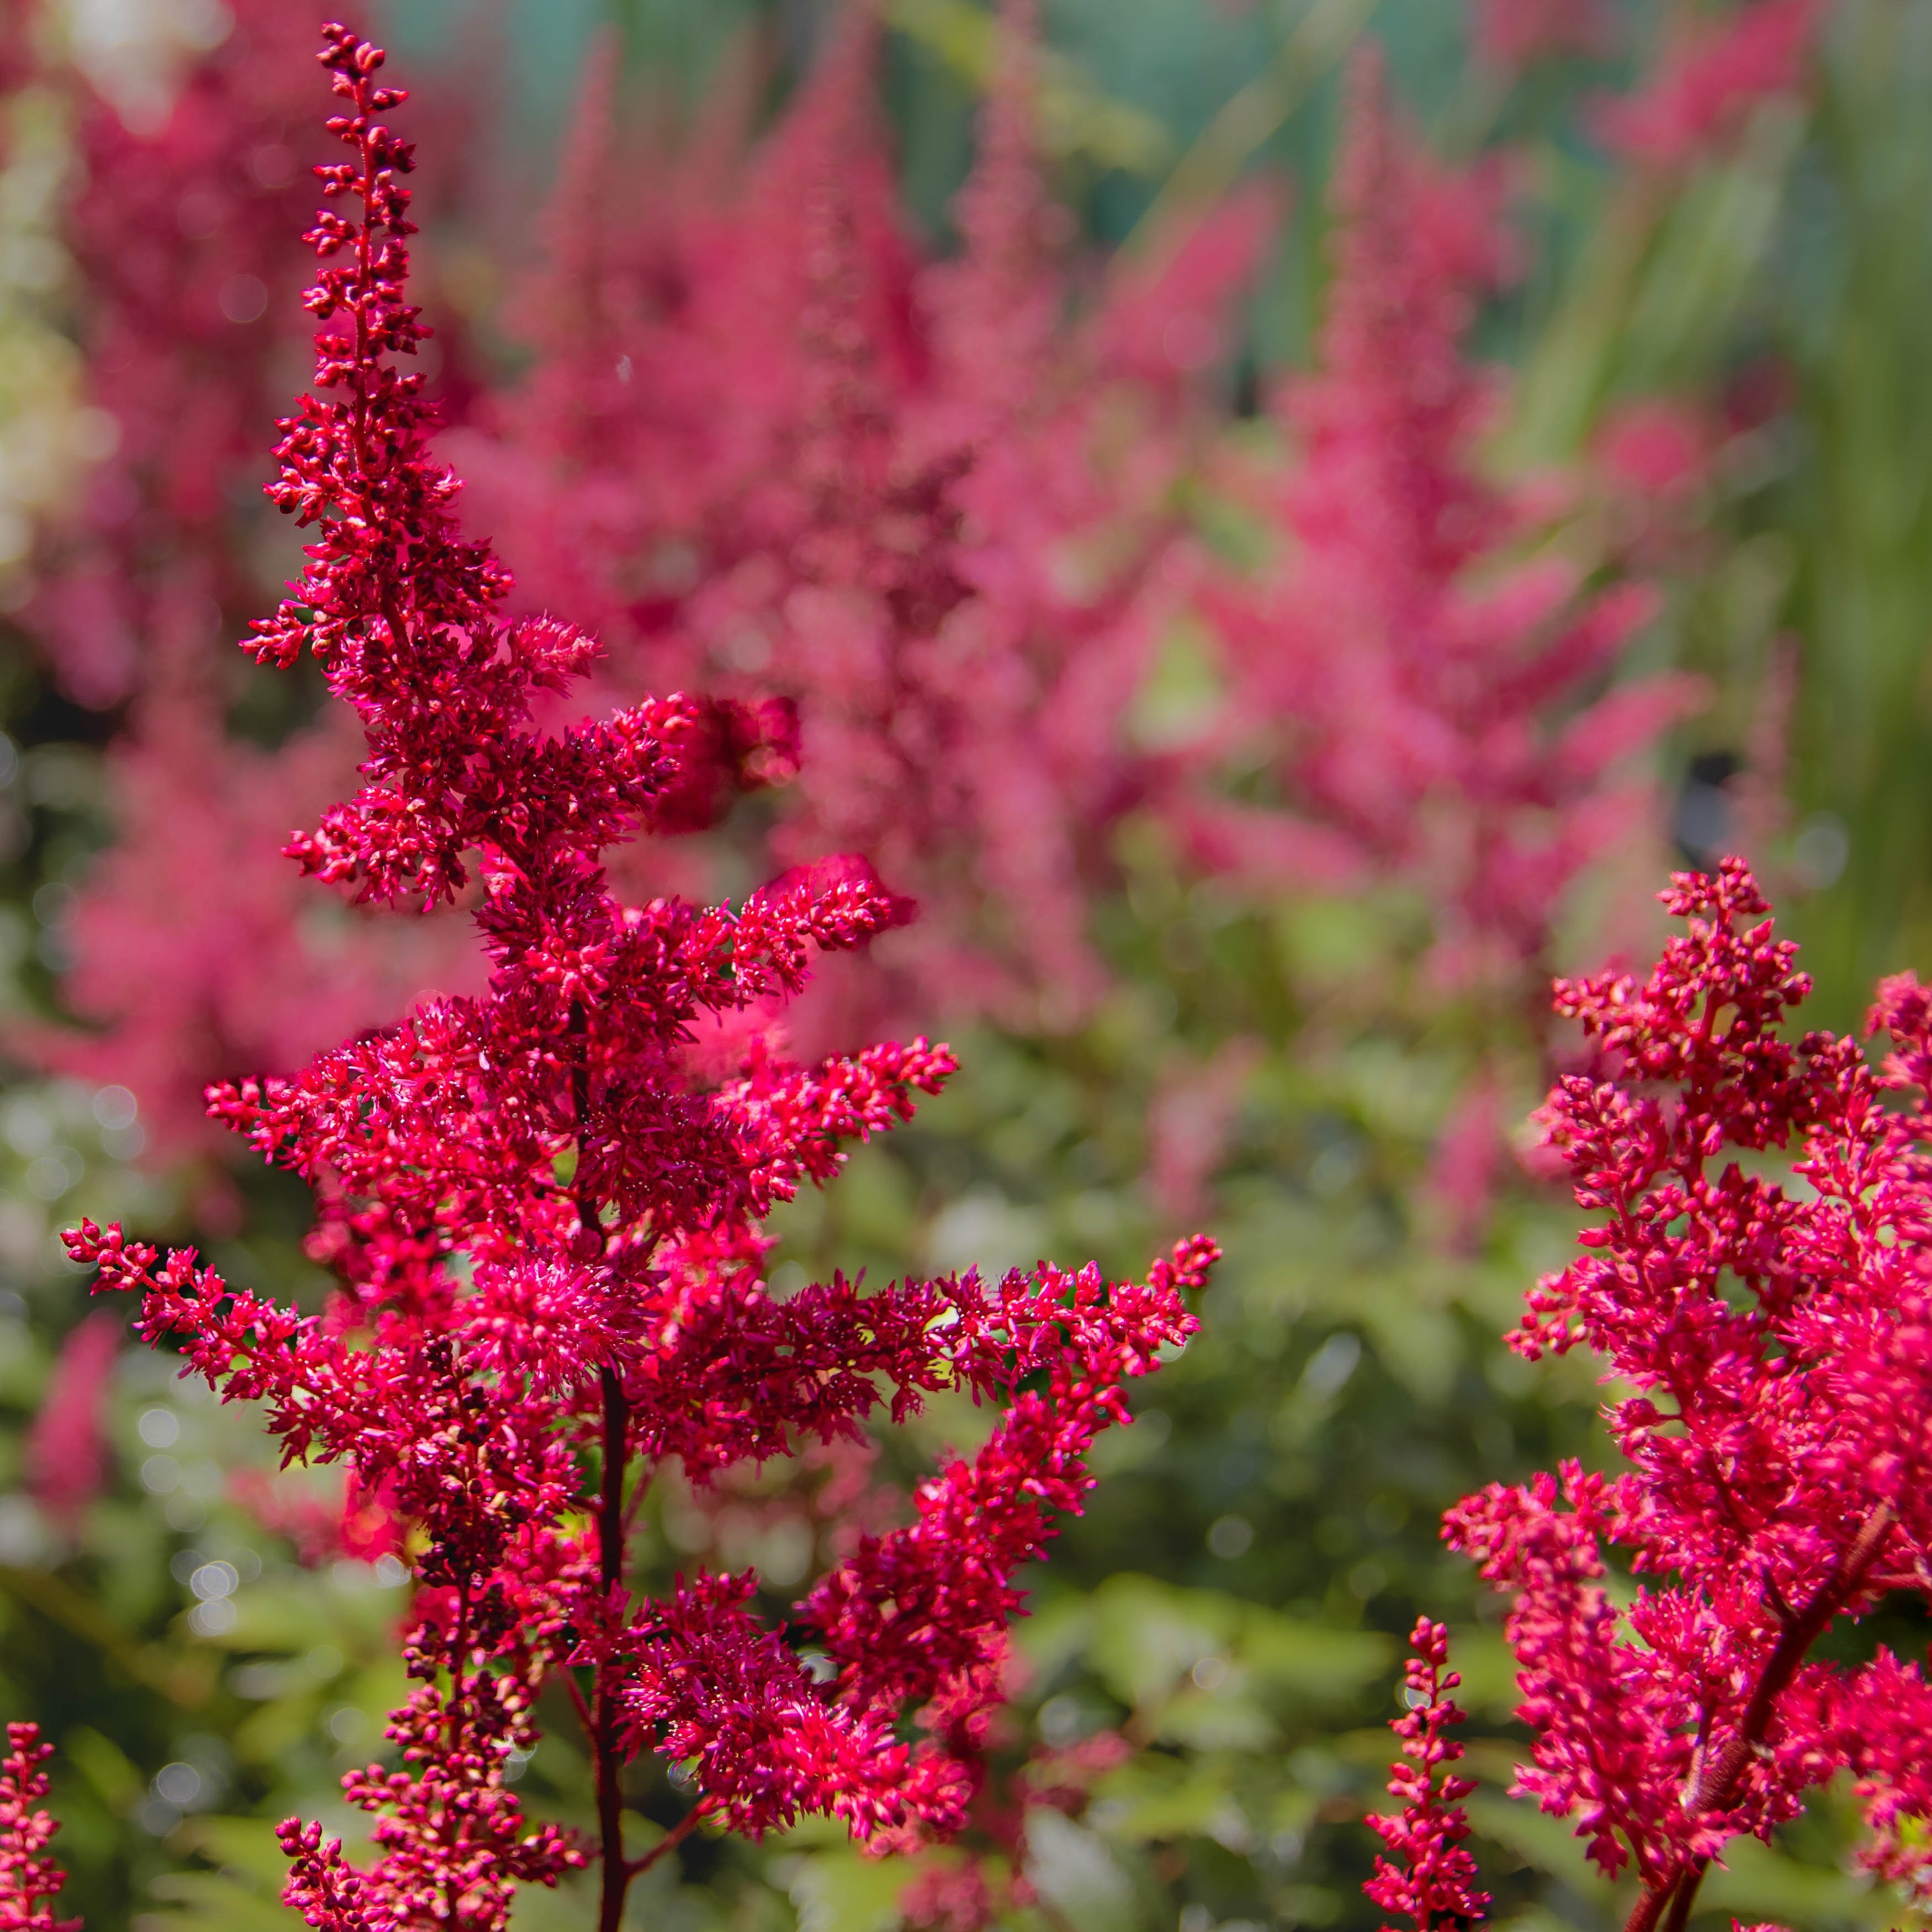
{"x": 1776, "y": 1333}
{"x": 545, "y": 1221}
{"x": 28, "y": 1878}
{"x": 1434, "y": 1884}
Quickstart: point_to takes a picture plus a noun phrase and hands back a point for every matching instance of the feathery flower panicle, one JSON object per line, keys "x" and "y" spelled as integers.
{"x": 1424, "y": 702}
{"x": 544, "y": 1213}
{"x": 1777, "y": 1335}
{"x": 919, "y": 505}
{"x": 28, "y": 1879}
{"x": 1709, "y": 78}
{"x": 1434, "y": 1884}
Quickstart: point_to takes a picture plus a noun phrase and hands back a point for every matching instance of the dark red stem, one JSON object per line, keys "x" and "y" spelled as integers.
{"x": 1669, "y": 1897}
{"x": 617, "y": 1874}
{"x": 671, "y": 1840}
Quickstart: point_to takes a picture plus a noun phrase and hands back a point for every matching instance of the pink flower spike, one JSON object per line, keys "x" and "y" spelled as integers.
{"x": 1710, "y": 79}
{"x": 66, "y": 1447}
{"x": 543, "y": 1202}
{"x": 1431, "y": 1879}
{"x": 1752, "y": 1279}
{"x": 776, "y": 453}
{"x": 1463, "y": 745}
{"x": 28, "y": 1879}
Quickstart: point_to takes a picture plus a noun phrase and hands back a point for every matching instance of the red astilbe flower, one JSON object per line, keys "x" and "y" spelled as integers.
{"x": 544, "y": 1216}
{"x": 1423, "y": 703}
{"x": 1432, "y": 1879}
{"x": 1778, "y": 1338}
{"x": 777, "y": 455}
{"x": 28, "y": 1878}
{"x": 1710, "y": 75}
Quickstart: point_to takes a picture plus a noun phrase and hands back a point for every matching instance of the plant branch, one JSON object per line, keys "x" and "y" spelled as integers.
{"x": 670, "y": 1842}
{"x": 610, "y": 1565}
{"x": 1715, "y": 1786}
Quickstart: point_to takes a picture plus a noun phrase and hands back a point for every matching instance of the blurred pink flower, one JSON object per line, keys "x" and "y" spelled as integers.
{"x": 67, "y": 1449}
{"x": 1429, "y": 710}
{"x": 196, "y": 953}
{"x": 1656, "y": 448}
{"x": 1471, "y": 1158}
{"x": 199, "y": 952}
{"x": 1708, "y": 78}
{"x": 188, "y": 306}
{"x": 1189, "y": 1121}
{"x": 351, "y": 1523}
{"x": 772, "y": 452}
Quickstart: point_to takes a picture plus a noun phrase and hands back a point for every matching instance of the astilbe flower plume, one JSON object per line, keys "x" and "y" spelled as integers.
{"x": 1709, "y": 76}
{"x": 1434, "y": 1884}
{"x": 776, "y": 453}
{"x": 545, "y": 1223}
{"x": 1426, "y": 707}
{"x": 1776, "y": 1333}
{"x": 28, "y": 1878}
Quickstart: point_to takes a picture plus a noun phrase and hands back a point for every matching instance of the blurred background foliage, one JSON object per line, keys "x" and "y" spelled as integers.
{"x": 1233, "y": 1601}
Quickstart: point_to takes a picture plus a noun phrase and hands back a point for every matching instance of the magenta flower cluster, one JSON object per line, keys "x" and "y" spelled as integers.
{"x": 1434, "y": 1884}
{"x": 1774, "y": 1331}
{"x": 919, "y": 521}
{"x": 28, "y": 1878}
{"x": 545, "y": 1221}
{"x": 778, "y": 456}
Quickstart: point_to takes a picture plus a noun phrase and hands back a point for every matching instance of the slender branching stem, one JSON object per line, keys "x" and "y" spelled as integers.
{"x": 1665, "y": 1902}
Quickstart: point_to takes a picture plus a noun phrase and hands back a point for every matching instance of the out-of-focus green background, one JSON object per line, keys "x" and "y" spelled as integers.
{"x": 1234, "y": 1598}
